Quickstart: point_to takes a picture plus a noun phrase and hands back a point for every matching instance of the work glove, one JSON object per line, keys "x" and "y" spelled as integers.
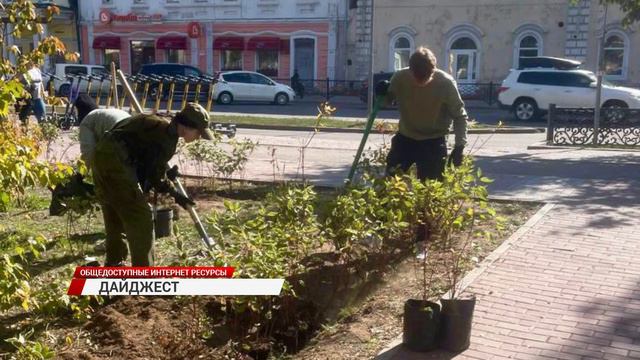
{"x": 173, "y": 173}
{"x": 382, "y": 88}
{"x": 456, "y": 156}
{"x": 183, "y": 201}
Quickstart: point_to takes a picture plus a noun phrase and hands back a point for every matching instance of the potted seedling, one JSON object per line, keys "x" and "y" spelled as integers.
{"x": 421, "y": 320}
{"x": 466, "y": 200}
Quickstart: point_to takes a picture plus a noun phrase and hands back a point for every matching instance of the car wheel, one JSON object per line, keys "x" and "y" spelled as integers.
{"x": 64, "y": 90}
{"x": 615, "y": 110}
{"x": 282, "y": 99}
{"x": 225, "y": 98}
{"x": 525, "y": 110}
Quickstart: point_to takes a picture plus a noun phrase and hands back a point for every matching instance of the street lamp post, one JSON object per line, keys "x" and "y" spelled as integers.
{"x": 596, "y": 118}
{"x": 370, "y": 95}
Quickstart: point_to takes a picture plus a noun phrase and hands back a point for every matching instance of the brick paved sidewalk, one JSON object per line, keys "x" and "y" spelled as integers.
{"x": 567, "y": 289}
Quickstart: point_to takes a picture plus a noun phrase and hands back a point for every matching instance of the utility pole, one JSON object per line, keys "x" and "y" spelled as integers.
{"x": 599, "y": 74}
{"x": 372, "y": 86}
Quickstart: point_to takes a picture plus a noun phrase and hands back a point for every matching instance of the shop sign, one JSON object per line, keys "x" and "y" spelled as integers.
{"x": 194, "y": 30}
{"x": 107, "y": 17}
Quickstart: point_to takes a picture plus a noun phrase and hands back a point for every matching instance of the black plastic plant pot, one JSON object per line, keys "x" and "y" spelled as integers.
{"x": 164, "y": 223}
{"x": 455, "y": 321}
{"x": 421, "y": 324}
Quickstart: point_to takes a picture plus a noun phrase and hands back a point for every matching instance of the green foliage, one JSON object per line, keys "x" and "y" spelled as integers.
{"x": 14, "y": 284}
{"x": 24, "y": 20}
{"x": 51, "y": 298}
{"x": 367, "y": 215}
{"x": 220, "y": 162}
{"x": 27, "y": 349}
{"x": 20, "y": 167}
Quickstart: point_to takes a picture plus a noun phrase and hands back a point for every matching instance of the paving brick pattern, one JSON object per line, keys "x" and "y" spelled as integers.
{"x": 568, "y": 289}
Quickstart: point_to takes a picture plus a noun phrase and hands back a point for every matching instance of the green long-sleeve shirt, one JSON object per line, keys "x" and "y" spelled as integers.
{"x": 150, "y": 143}
{"x": 427, "y": 111}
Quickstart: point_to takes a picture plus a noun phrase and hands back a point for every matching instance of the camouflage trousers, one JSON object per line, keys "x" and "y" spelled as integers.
{"x": 124, "y": 206}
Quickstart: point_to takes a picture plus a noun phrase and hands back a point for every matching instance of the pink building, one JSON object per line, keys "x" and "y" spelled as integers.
{"x": 236, "y": 35}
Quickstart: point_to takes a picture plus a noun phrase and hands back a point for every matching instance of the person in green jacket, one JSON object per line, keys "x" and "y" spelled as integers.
{"x": 429, "y": 101}
{"x": 129, "y": 161}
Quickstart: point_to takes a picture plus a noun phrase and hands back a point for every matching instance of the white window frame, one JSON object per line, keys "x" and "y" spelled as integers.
{"x": 478, "y": 50}
{"x": 392, "y": 47}
{"x": 625, "y": 54}
{"x": 517, "y": 48}
{"x": 221, "y": 52}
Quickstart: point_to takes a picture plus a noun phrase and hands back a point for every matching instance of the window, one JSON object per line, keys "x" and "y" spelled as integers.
{"x": 258, "y": 79}
{"x": 538, "y": 78}
{"x": 528, "y": 46}
{"x": 267, "y": 62}
{"x": 464, "y": 54}
{"x": 401, "y": 53}
{"x": 188, "y": 71}
{"x": 142, "y": 52}
{"x": 572, "y": 80}
{"x": 175, "y": 56}
{"x": 614, "y": 56}
{"x": 231, "y": 60}
{"x": 110, "y": 55}
{"x": 75, "y": 70}
{"x": 238, "y": 78}
{"x": 98, "y": 71}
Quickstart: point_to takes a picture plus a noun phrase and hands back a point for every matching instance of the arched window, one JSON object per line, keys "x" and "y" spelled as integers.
{"x": 527, "y": 46}
{"x": 401, "y": 52}
{"x": 464, "y": 59}
{"x": 615, "y": 56}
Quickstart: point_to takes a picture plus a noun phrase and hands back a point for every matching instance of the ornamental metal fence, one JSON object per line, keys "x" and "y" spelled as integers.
{"x": 575, "y": 126}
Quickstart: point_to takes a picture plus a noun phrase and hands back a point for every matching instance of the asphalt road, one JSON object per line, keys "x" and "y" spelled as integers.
{"x": 351, "y": 108}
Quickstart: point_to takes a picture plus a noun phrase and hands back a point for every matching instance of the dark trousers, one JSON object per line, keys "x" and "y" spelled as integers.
{"x": 430, "y": 157}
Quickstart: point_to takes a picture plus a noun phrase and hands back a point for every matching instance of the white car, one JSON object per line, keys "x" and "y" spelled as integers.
{"x": 251, "y": 86}
{"x": 529, "y": 92}
{"x": 62, "y": 85}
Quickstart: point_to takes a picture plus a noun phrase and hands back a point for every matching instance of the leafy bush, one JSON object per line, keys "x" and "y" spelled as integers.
{"x": 20, "y": 167}
{"x": 210, "y": 154}
{"x": 27, "y": 349}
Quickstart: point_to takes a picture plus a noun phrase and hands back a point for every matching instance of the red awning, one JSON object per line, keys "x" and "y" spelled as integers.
{"x": 264, "y": 43}
{"x": 172, "y": 43}
{"x": 106, "y": 42}
{"x": 228, "y": 43}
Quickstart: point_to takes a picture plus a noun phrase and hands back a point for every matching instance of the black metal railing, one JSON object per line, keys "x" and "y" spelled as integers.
{"x": 576, "y": 126}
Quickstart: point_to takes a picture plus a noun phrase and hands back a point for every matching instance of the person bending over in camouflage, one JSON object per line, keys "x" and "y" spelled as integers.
{"x": 129, "y": 161}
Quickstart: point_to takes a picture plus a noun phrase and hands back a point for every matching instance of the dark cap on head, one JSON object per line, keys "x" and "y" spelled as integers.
{"x": 195, "y": 116}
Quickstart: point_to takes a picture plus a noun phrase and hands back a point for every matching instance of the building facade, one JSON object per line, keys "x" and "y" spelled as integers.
{"x": 480, "y": 40}
{"x": 63, "y": 26}
{"x": 274, "y": 37}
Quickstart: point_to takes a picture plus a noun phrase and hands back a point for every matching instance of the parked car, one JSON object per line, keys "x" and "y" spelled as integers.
{"x": 172, "y": 70}
{"x": 251, "y": 86}
{"x": 529, "y": 92}
{"x": 62, "y": 85}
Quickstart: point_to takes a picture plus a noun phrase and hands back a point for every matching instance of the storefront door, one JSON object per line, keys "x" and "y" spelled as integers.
{"x": 142, "y": 52}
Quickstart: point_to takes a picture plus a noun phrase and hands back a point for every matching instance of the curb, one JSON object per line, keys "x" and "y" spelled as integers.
{"x": 503, "y": 130}
{"x": 391, "y": 348}
{"x": 542, "y": 145}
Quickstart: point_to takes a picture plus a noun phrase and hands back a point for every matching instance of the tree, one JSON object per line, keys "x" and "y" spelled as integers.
{"x": 631, "y": 8}
{"x": 24, "y": 17}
